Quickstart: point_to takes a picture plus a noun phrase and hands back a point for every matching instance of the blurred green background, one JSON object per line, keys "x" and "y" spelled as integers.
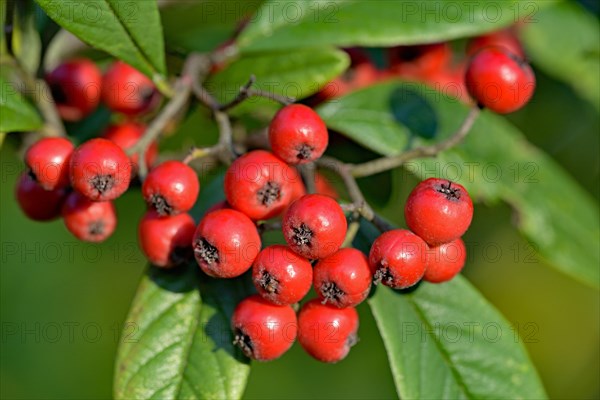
{"x": 63, "y": 302}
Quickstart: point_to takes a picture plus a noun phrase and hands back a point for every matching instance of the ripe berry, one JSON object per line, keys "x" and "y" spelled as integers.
{"x": 504, "y": 38}
{"x": 75, "y": 87}
{"x": 91, "y": 221}
{"x": 171, "y": 188}
{"x": 499, "y": 80}
{"x": 263, "y": 331}
{"x": 48, "y": 162}
{"x": 314, "y": 226}
{"x": 126, "y": 135}
{"x": 438, "y": 210}
{"x": 419, "y": 61}
{"x": 128, "y": 91}
{"x": 36, "y": 202}
{"x": 445, "y": 261}
{"x": 362, "y": 72}
{"x": 343, "y": 279}
{"x": 397, "y": 259}
{"x": 226, "y": 243}
{"x": 327, "y": 333}
{"x": 260, "y": 185}
{"x": 100, "y": 170}
{"x": 297, "y": 134}
{"x": 166, "y": 241}
{"x": 281, "y": 276}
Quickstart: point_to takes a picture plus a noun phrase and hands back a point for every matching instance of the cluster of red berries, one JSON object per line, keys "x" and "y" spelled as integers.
{"x": 80, "y": 183}
{"x": 494, "y": 72}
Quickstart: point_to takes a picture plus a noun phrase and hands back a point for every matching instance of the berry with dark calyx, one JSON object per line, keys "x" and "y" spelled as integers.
{"x": 87, "y": 220}
{"x": 260, "y": 185}
{"x": 397, "y": 259}
{"x": 314, "y": 226}
{"x": 166, "y": 241}
{"x": 262, "y": 330}
{"x": 327, "y": 333}
{"x": 75, "y": 87}
{"x": 281, "y": 276}
{"x": 128, "y": 91}
{"x": 297, "y": 134}
{"x": 445, "y": 261}
{"x": 48, "y": 162}
{"x": 499, "y": 80}
{"x": 126, "y": 135}
{"x": 100, "y": 170}
{"x": 343, "y": 279}
{"x": 505, "y": 38}
{"x": 36, "y": 202}
{"x": 438, "y": 210}
{"x": 171, "y": 188}
{"x": 226, "y": 243}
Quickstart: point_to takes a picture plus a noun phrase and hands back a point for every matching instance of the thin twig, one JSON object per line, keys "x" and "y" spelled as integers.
{"x": 247, "y": 91}
{"x": 353, "y": 228}
{"x": 183, "y": 88}
{"x": 307, "y": 172}
{"x": 199, "y": 152}
{"x": 226, "y": 154}
{"x": 385, "y": 163}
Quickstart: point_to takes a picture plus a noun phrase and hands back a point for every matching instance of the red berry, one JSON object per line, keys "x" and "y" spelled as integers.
{"x": 263, "y": 331}
{"x": 75, "y": 87}
{"x": 499, "y": 80}
{"x": 505, "y": 38}
{"x": 314, "y": 226}
{"x": 171, "y": 188}
{"x": 323, "y": 186}
{"x": 226, "y": 243}
{"x": 438, "y": 210}
{"x": 297, "y": 134}
{"x": 397, "y": 259}
{"x": 48, "y": 161}
{"x": 343, "y": 279}
{"x": 126, "y": 135}
{"x": 327, "y": 333}
{"x": 91, "y": 221}
{"x": 260, "y": 185}
{"x": 128, "y": 91}
{"x": 445, "y": 261}
{"x": 419, "y": 61}
{"x": 100, "y": 170}
{"x": 166, "y": 241}
{"x": 36, "y": 202}
{"x": 281, "y": 276}
{"x": 221, "y": 205}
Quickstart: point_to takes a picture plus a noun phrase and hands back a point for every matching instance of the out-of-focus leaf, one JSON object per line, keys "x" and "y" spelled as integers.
{"x": 27, "y": 45}
{"x": 284, "y": 24}
{"x": 16, "y": 113}
{"x": 564, "y": 43}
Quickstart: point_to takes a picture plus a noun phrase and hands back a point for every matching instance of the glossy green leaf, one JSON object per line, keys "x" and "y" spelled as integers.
{"x": 17, "y": 114}
{"x": 177, "y": 341}
{"x": 297, "y": 74}
{"x": 202, "y": 25}
{"x": 495, "y": 163}
{"x": 571, "y": 53}
{"x": 282, "y": 24}
{"x": 128, "y": 30}
{"x": 446, "y": 341}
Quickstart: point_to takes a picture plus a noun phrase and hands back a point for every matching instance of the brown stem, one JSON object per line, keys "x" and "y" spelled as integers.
{"x": 247, "y": 91}
{"x": 308, "y": 177}
{"x": 385, "y": 163}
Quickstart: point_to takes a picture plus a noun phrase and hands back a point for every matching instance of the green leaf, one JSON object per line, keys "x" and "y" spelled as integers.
{"x": 297, "y": 74}
{"x": 130, "y": 31}
{"x": 17, "y": 113}
{"x": 177, "y": 341}
{"x": 495, "y": 163}
{"x": 446, "y": 341}
{"x": 203, "y": 25}
{"x": 27, "y": 45}
{"x": 285, "y": 24}
{"x": 571, "y": 53}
